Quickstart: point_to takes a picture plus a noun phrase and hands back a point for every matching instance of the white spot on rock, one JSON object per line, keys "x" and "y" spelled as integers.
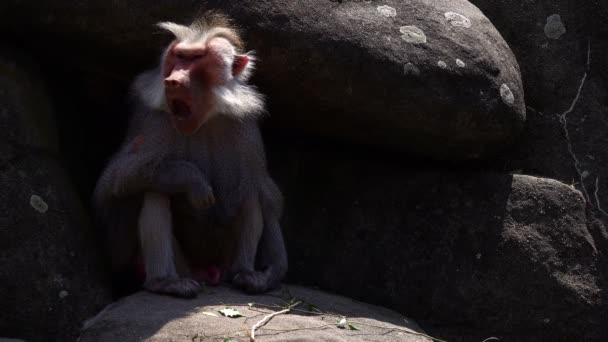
{"x": 478, "y": 256}
{"x": 411, "y": 69}
{"x": 39, "y": 204}
{"x": 460, "y": 63}
{"x": 63, "y": 294}
{"x": 554, "y": 28}
{"x": 442, "y": 64}
{"x": 57, "y": 278}
{"x": 412, "y": 34}
{"x": 457, "y": 19}
{"x": 585, "y": 174}
{"x": 507, "y": 94}
{"x": 387, "y": 11}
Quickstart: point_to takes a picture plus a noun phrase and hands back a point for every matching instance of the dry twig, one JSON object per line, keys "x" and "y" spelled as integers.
{"x": 268, "y": 318}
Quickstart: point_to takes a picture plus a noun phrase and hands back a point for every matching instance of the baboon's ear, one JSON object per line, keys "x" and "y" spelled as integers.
{"x": 243, "y": 66}
{"x": 240, "y": 64}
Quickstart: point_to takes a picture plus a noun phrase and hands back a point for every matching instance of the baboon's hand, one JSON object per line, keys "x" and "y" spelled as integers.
{"x": 201, "y": 196}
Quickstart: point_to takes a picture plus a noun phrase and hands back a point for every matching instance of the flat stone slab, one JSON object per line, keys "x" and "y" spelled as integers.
{"x": 149, "y": 317}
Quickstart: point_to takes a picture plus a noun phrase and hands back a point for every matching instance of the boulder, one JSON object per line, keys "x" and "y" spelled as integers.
{"x": 467, "y": 254}
{"x": 150, "y": 317}
{"x": 433, "y": 77}
{"x": 51, "y": 277}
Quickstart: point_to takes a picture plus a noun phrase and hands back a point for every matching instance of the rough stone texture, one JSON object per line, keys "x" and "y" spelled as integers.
{"x": 377, "y": 73}
{"x": 149, "y": 317}
{"x": 51, "y": 277}
{"x": 467, "y": 254}
{"x": 566, "y": 86}
{"x": 553, "y": 71}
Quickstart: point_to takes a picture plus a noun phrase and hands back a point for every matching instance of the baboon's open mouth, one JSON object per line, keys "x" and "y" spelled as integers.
{"x": 180, "y": 109}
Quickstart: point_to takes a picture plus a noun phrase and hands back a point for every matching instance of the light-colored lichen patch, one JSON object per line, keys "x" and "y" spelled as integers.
{"x": 411, "y": 70}
{"x": 442, "y": 64}
{"x": 460, "y": 63}
{"x": 457, "y": 19}
{"x": 506, "y": 94}
{"x": 63, "y": 294}
{"x": 39, "y": 204}
{"x": 554, "y": 28}
{"x": 412, "y": 34}
{"x": 387, "y": 11}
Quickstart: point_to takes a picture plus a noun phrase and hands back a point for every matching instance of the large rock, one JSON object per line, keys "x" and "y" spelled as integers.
{"x": 149, "y": 317}
{"x": 433, "y": 77}
{"x": 51, "y": 278}
{"x": 467, "y": 254}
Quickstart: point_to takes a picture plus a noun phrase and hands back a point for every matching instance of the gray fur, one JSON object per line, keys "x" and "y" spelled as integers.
{"x": 155, "y": 229}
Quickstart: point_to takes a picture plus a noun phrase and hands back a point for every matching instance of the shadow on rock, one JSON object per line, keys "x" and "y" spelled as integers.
{"x": 495, "y": 254}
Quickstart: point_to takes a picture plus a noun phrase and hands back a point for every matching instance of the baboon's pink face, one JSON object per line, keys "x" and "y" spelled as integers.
{"x": 191, "y": 71}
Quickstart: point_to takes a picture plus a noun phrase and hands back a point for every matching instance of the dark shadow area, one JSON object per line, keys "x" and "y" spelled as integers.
{"x": 438, "y": 242}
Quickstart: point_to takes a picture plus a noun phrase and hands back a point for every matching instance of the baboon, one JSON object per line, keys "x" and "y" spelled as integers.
{"x": 188, "y": 196}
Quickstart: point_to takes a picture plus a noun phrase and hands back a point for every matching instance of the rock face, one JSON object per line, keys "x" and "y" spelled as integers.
{"x": 563, "y": 47}
{"x": 433, "y": 77}
{"x": 562, "y": 54}
{"x": 505, "y": 255}
{"x": 51, "y": 278}
{"x": 149, "y": 317}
